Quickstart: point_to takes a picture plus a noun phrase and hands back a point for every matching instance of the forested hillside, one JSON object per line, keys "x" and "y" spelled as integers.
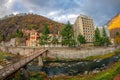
{"x": 9, "y": 25}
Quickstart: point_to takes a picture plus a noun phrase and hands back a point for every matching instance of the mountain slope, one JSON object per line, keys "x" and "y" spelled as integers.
{"x": 9, "y": 25}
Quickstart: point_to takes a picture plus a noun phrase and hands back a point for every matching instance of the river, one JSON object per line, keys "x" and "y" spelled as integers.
{"x": 75, "y": 67}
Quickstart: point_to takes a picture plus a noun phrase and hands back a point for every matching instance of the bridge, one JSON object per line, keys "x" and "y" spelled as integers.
{"x": 13, "y": 68}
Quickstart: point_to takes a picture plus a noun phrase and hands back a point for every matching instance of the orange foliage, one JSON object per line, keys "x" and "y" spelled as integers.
{"x": 114, "y": 23}
{"x": 9, "y": 25}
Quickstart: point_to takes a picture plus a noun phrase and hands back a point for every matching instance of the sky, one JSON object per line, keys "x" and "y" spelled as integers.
{"x": 64, "y": 10}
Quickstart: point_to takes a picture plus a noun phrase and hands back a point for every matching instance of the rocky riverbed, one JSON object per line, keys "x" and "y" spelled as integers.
{"x": 75, "y": 68}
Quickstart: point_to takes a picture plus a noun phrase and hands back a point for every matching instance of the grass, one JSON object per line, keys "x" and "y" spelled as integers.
{"x": 102, "y": 56}
{"x": 38, "y": 76}
{"x": 110, "y": 73}
{"x": 4, "y": 54}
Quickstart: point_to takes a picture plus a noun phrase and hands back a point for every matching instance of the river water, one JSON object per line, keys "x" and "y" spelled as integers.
{"x": 75, "y": 68}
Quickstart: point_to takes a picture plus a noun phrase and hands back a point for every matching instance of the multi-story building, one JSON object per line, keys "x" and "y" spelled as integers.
{"x": 33, "y": 39}
{"x": 84, "y": 25}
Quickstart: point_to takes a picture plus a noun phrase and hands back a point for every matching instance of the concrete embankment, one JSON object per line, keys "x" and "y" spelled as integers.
{"x": 67, "y": 53}
{"x": 61, "y": 52}
{"x": 24, "y": 51}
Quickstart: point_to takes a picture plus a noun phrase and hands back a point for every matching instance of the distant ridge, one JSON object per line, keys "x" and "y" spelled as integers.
{"x": 9, "y": 25}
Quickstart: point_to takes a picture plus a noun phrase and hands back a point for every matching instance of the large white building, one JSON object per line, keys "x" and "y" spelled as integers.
{"x": 84, "y": 25}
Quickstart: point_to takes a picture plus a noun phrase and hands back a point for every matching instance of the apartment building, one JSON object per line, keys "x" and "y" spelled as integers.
{"x": 84, "y": 25}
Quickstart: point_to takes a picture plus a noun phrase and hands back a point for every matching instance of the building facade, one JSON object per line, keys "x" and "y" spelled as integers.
{"x": 33, "y": 39}
{"x": 84, "y": 25}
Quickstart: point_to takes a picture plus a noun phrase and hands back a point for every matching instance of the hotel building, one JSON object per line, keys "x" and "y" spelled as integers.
{"x": 84, "y": 25}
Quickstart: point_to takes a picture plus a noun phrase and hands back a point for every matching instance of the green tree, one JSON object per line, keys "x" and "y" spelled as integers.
{"x": 105, "y": 39}
{"x": 55, "y": 40}
{"x": 104, "y": 32}
{"x": 44, "y": 37}
{"x": 43, "y": 40}
{"x": 1, "y": 37}
{"x": 101, "y": 40}
{"x": 81, "y": 39}
{"x": 19, "y": 33}
{"x": 68, "y": 35}
{"x": 45, "y": 30}
{"x": 97, "y": 37}
{"x": 72, "y": 43}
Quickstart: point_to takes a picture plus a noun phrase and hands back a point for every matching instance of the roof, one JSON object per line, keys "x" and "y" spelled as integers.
{"x": 85, "y": 16}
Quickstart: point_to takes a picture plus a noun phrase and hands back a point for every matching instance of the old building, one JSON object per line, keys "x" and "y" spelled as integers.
{"x": 84, "y": 25}
{"x": 33, "y": 40}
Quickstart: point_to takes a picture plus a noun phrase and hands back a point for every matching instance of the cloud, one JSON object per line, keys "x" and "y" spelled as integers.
{"x": 102, "y": 10}
{"x": 4, "y": 9}
{"x": 63, "y": 10}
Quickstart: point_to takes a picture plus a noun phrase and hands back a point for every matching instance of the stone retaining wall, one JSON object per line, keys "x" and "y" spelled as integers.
{"x": 17, "y": 50}
{"x": 77, "y": 54}
{"x": 61, "y": 53}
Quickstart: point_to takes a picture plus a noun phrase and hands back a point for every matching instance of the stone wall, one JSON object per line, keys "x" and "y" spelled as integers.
{"x": 24, "y": 51}
{"x": 63, "y": 53}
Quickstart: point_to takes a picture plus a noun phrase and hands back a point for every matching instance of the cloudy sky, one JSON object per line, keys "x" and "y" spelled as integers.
{"x": 63, "y": 10}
